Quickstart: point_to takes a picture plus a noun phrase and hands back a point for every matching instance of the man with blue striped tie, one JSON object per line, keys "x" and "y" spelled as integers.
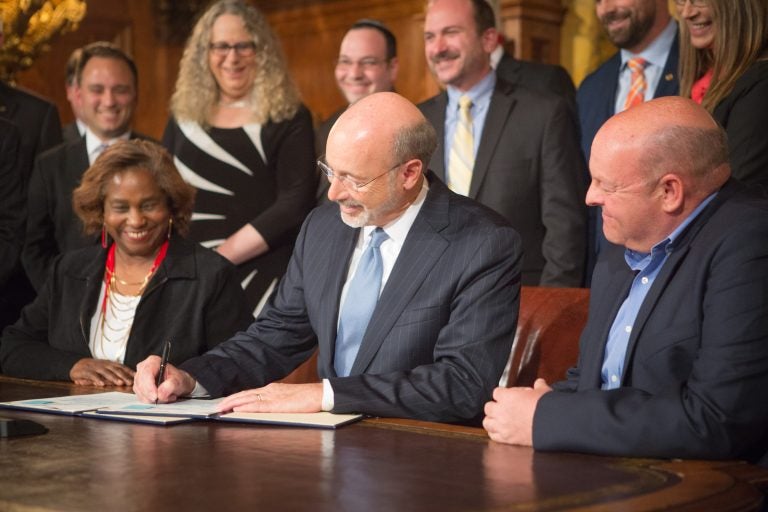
{"x": 409, "y": 291}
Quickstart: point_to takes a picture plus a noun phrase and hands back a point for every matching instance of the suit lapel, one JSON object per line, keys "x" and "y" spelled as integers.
{"x": 612, "y": 297}
{"x": 675, "y": 259}
{"x": 499, "y": 111}
{"x": 668, "y": 83}
{"x": 423, "y": 247}
{"x": 434, "y": 111}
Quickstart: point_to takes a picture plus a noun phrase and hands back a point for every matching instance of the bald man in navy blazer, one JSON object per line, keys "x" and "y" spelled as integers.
{"x": 441, "y": 332}
{"x": 673, "y": 360}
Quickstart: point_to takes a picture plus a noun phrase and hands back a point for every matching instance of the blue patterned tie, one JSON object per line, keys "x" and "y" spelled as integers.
{"x": 362, "y": 295}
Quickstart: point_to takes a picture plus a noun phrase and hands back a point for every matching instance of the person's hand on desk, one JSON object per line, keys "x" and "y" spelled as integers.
{"x": 99, "y": 372}
{"x": 176, "y": 383}
{"x": 276, "y": 397}
{"x": 509, "y": 416}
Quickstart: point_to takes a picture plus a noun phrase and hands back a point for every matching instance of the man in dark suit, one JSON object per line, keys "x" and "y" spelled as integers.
{"x": 367, "y": 63}
{"x": 525, "y": 162}
{"x": 439, "y": 332}
{"x": 11, "y": 217}
{"x": 674, "y": 356}
{"x": 107, "y": 95}
{"x": 39, "y": 128}
{"x": 535, "y": 76}
{"x": 639, "y": 28}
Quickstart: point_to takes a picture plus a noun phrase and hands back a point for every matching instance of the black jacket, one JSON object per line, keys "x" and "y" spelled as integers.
{"x": 193, "y": 299}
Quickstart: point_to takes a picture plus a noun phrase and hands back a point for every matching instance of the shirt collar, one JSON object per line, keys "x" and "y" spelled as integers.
{"x": 638, "y": 260}
{"x": 655, "y": 53}
{"x": 480, "y": 92}
{"x": 93, "y": 142}
{"x": 398, "y": 229}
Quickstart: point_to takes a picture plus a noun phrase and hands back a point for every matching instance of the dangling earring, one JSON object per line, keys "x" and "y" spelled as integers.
{"x": 104, "y": 236}
{"x": 170, "y": 227}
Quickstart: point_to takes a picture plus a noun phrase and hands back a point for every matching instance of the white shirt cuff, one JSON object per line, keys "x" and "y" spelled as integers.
{"x": 327, "y": 403}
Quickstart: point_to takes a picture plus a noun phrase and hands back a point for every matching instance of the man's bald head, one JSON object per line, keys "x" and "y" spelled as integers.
{"x": 382, "y": 134}
{"x": 651, "y": 166}
{"x": 672, "y": 134}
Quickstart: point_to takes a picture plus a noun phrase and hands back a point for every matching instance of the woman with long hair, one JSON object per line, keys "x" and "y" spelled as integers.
{"x": 242, "y": 138}
{"x": 724, "y": 67}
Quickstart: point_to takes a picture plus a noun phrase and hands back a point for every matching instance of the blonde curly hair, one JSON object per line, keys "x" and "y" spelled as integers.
{"x": 274, "y": 96}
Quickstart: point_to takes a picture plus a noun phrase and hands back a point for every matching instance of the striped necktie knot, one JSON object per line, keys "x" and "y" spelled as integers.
{"x": 637, "y": 82}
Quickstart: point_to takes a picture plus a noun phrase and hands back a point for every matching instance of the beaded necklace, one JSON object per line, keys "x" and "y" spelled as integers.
{"x": 119, "y": 304}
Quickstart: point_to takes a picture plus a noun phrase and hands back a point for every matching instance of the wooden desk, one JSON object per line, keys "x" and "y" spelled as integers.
{"x": 382, "y": 464}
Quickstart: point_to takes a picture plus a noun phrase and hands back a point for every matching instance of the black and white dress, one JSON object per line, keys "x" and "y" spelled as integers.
{"x": 258, "y": 174}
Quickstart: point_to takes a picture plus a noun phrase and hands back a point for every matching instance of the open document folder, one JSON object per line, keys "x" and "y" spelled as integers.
{"x": 126, "y": 407}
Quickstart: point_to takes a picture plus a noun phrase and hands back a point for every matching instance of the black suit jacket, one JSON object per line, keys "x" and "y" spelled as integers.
{"x": 52, "y": 226}
{"x": 37, "y": 121}
{"x": 696, "y": 368}
{"x": 12, "y": 204}
{"x": 529, "y": 169}
{"x": 744, "y": 115}
{"x": 441, "y": 332}
{"x": 70, "y": 132}
{"x": 194, "y": 299}
{"x": 537, "y": 76}
{"x": 321, "y": 138}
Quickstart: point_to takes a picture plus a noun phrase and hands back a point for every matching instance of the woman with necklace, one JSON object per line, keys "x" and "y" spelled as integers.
{"x": 242, "y": 138}
{"x": 107, "y": 307}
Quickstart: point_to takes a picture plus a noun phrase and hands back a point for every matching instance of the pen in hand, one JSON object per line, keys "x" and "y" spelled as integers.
{"x": 163, "y": 364}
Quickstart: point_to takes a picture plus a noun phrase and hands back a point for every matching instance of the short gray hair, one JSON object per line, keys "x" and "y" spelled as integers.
{"x": 415, "y": 141}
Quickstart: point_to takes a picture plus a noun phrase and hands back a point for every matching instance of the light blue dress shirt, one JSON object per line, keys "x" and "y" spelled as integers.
{"x": 646, "y": 266}
{"x": 656, "y": 54}
{"x": 481, "y": 100}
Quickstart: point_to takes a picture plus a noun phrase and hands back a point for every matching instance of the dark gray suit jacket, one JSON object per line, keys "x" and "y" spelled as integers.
{"x": 37, "y": 121}
{"x": 11, "y": 203}
{"x": 529, "y": 169}
{"x": 696, "y": 368}
{"x": 441, "y": 332}
{"x": 52, "y": 226}
{"x": 538, "y": 76}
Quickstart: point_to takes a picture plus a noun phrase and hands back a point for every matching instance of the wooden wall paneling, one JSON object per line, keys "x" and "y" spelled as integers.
{"x": 130, "y": 25}
{"x": 534, "y": 25}
{"x": 311, "y": 33}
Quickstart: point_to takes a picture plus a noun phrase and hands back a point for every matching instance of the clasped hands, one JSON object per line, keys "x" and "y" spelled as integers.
{"x": 509, "y": 416}
{"x": 275, "y": 397}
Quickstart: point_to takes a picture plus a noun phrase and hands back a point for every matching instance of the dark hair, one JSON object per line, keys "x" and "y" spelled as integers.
{"x": 377, "y": 25}
{"x": 72, "y": 64}
{"x": 127, "y": 155}
{"x": 105, "y": 50}
{"x": 484, "y": 17}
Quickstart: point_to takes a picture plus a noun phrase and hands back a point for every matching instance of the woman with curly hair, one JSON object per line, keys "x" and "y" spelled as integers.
{"x": 724, "y": 67}
{"x": 242, "y": 138}
{"x": 106, "y": 307}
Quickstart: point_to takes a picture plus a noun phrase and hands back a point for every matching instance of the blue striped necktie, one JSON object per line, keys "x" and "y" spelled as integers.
{"x": 361, "y": 299}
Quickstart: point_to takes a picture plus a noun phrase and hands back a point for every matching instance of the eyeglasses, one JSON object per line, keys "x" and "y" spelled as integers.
{"x": 366, "y": 64}
{"x": 350, "y": 183}
{"x": 694, "y": 3}
{"x": 243, "y": 49}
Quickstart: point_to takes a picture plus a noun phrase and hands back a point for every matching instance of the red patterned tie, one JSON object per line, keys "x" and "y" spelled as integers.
{"x": 638, "y": 84}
